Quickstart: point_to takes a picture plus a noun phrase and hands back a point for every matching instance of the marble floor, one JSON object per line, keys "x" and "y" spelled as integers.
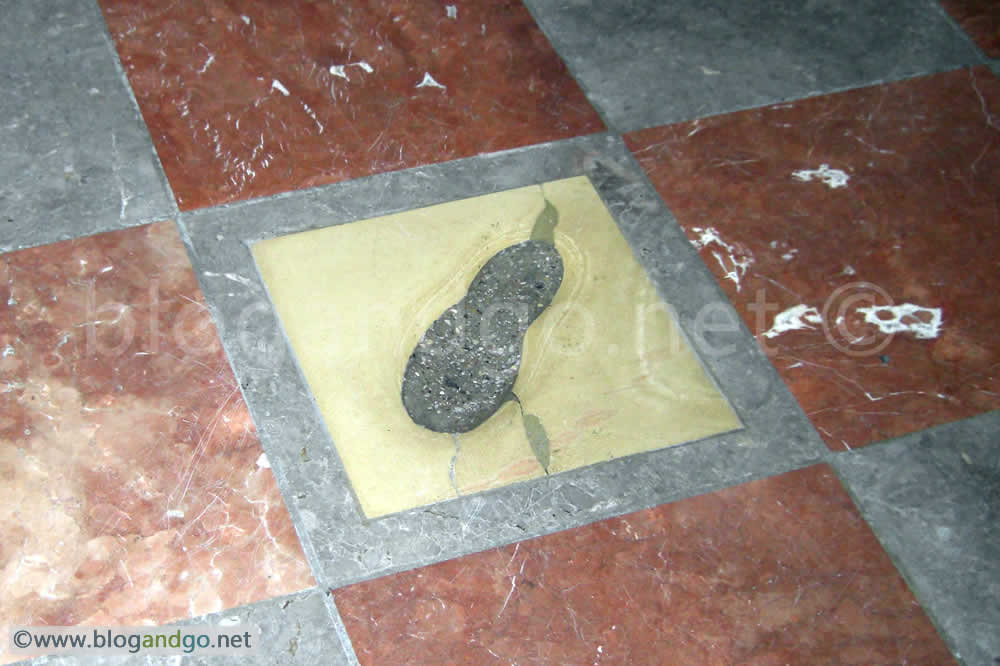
{"x": 757, "y": 425}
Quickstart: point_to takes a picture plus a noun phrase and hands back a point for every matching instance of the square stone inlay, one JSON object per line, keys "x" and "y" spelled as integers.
{"x": 604, "y": 369}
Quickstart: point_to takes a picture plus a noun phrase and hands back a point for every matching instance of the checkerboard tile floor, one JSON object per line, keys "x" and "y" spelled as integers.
{"x": 812, "y": 192}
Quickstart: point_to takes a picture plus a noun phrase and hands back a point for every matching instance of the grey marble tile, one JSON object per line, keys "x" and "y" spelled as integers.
{"x": 341, "y": 544}
{"x": 302, "y": 628}
{"x": 933, "y": 498}
{"x": 77, "y": 158}
{"x": 647, "y": 63}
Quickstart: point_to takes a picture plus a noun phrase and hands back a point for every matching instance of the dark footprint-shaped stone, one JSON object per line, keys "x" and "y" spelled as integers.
{"x": 465, "y": 365}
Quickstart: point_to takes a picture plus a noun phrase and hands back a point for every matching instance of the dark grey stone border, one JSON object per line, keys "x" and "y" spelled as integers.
{"x": 342, "y": 546}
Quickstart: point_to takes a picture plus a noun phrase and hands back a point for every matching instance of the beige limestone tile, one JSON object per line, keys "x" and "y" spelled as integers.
{"x": 604, "y": 368}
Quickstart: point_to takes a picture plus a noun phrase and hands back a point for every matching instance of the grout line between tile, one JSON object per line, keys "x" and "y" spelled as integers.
{"x": 340, "y": 628}
{"x": 607, "y": 514}
{"x": 938, "y": 7}
{"x": 326, "y": 188}
{"x": 557, "y": 47}
{"x": 276, "y": 462}
{"x": 926, "y": 604}
{"x": 51, "y": 241}
{"x": 833, "y": 90}
{"x": 721, "y": 297}
{"x": 123, "y": 76}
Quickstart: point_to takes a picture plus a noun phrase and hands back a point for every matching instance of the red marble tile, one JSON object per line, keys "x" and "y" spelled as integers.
{"x": 134, "y": 489}
{"x": 779, "y": 571}
{"x": 979, "y": 18}
{"x": 814, "y": 214}
{"x": 253, "y": 98}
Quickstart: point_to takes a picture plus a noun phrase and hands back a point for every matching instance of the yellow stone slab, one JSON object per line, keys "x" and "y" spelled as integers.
{"x": 604, "y": 368}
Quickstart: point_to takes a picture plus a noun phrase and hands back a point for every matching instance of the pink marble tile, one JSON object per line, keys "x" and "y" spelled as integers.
{"x": 778, "y": 571}
{"x": 858, "y": 236}
{"x": 134, "y": 487}
{"x": 253, "y": 98}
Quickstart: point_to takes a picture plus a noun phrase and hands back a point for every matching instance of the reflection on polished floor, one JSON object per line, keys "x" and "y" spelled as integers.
{"x": 756, "y": 424}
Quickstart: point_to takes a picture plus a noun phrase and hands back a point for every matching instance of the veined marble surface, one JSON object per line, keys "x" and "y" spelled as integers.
{"x": 777, "y": 571}
{"x": 267, "y": 97}
{"x": 134, "y": 486}
{"x": 857, "y": 234}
